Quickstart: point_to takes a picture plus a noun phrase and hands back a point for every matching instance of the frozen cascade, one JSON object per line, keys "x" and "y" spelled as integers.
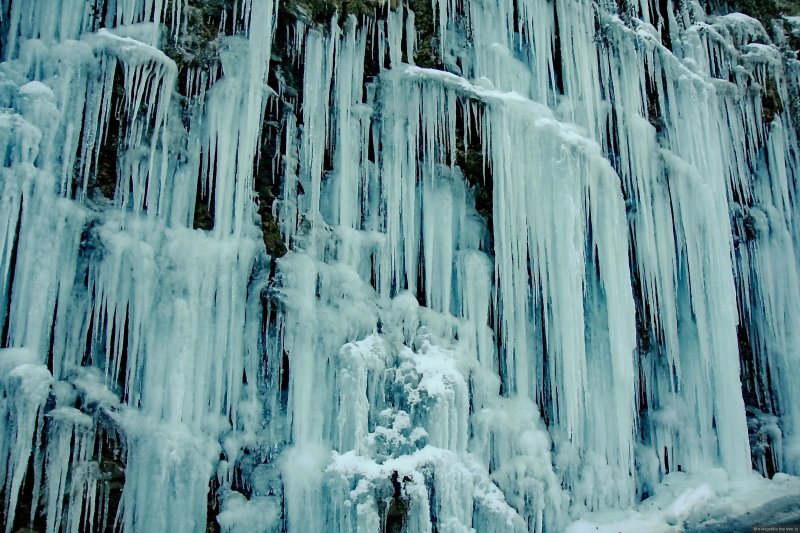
{"x": 487, "y": 265}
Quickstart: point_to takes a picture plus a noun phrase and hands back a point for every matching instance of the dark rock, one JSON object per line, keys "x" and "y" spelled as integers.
{"x": 427, "y": 53}
{"x": 273, "y": 240}
{"x": 203, "y": 218}
{"x": 771, "y": 103}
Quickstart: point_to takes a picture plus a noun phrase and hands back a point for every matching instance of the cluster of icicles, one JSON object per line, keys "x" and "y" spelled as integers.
{"x": 406, "y": 364}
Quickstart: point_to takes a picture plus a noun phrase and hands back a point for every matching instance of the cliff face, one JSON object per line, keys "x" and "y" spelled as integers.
{"x": 360, "y": 266}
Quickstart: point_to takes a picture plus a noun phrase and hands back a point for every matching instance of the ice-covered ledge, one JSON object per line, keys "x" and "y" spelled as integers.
{"x": 709, "y": 501}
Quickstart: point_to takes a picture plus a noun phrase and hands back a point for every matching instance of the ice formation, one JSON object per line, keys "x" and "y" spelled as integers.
{"x": 530, "y": 265}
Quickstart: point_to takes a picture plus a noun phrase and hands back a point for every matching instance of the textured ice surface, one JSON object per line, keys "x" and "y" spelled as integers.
{"x": 554, "y": 285}
{"x": 711, "y": 502}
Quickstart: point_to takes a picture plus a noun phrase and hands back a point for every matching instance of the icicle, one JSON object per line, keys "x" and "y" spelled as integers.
{"x": 555, "y": 277}
{"x": 25, "y": 388}
{"x": 70, "y": 445}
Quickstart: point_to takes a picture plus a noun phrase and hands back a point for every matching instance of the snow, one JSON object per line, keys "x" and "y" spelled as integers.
{"x": 711, "y": 501}
{"x": 554, "y": 286}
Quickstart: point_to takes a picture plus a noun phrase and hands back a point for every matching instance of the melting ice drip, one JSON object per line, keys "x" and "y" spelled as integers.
{"x": 628, "y": 306}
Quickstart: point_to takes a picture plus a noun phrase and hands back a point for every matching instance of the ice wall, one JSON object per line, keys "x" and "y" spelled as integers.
{"x": 484, "y": 265}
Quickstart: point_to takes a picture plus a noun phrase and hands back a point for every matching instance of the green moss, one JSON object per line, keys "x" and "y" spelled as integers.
{"x": 427, "y": 53}
{"x": 771, "y": 103}
{"x": 763, "y": 10}
{"x": 198, "y": 45}
{"x": 203, "y": 219}
{"x": 472, "y": 165}
{"x": 789, "y": 8}
{"x": 320, "y": 12}
{"x": 273, "y": 240}
{"x": 478, "y": 175}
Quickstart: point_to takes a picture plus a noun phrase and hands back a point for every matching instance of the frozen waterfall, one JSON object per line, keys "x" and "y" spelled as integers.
{"x": 335, "y": 266}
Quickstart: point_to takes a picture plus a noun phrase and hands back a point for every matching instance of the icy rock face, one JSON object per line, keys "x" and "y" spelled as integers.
{"x": 296, "y": 282}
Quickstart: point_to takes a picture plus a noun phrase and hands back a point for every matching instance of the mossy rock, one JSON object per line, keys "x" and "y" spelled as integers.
{"x": 197, "y": 46}
{"x": 763, "y": 10}
{"x": 321, "y": 12}
{"x": 273, "y": 240}
{"x": 771, "y": 102}
{"x": 478, "y": 176}
{"x": 427, "y": 53}
{"x": 203, "y": 219}
{"x": 788, "y": 8}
